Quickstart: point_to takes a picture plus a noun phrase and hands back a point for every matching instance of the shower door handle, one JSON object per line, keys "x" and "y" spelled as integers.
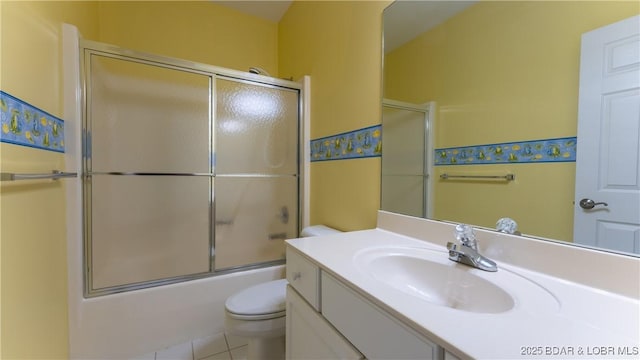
{"x": 284, "y": 215}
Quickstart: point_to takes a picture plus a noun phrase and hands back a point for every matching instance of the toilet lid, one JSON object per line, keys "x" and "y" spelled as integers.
{"x": 259, "y": 300}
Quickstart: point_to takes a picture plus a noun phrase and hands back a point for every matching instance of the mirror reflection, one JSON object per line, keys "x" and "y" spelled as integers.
{"x": 486, "y": 105}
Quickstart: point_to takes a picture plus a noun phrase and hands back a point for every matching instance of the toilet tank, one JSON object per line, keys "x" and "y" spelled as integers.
{"x": 318, "y": 230}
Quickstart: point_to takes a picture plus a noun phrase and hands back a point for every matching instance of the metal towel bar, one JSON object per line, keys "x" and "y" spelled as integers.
{"x": 54, "y": 175}
{"x": 508, "y": 177}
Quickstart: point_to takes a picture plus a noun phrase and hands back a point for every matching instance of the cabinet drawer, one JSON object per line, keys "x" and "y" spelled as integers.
{"x": 304, "y": 276}
{"x": 370, "y": 329}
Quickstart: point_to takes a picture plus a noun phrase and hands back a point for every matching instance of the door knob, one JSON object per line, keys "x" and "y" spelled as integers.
{"x": 590, "y": 204}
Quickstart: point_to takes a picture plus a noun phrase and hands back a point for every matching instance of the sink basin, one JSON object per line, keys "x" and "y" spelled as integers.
{"x": 429, "y": 275}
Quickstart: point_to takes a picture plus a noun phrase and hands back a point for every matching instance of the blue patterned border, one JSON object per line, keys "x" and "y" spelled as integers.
{"x": 537, "y": 151}
{"x": 355, "y": 144}
{"x": 25, "y": 124}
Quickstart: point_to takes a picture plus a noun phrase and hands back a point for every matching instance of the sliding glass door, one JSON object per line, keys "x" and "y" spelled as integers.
{"x": 256, "y": 202}
{"x": 187, "y": 173}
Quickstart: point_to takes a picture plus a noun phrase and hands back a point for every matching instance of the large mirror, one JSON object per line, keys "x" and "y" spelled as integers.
{"x": 487, "y": 114}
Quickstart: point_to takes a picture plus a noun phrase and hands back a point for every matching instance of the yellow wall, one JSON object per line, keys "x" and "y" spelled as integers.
{"x": 474, "y": 67}
{"x": 33, "y": 235}
{"x": 338, "y": 43}
{"x": 200, "y": 31}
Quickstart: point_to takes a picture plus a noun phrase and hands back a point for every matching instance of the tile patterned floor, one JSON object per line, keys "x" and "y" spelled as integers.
{"x": 216, "y": 347}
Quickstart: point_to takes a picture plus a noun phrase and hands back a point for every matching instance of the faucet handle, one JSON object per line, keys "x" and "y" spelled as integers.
{"x": 454, "y": 253}
{"x": 507, "y": 225}
{"x": 464, "y": 234}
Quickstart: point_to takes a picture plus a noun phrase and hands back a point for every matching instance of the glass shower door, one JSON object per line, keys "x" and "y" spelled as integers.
{"x": 149, "y": 180}
{"x": 189, "y": 171}
{"x": 256, "y": 166}
{"x": 403, "y": 180}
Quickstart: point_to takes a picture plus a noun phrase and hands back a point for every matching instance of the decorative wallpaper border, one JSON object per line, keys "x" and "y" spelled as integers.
{"x": 26, "y": 125}
{"x": 361, "y": 143}
{"x": 536, "y": 151}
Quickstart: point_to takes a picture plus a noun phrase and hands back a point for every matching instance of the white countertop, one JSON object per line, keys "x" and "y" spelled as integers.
{"x": 586, "y": 322}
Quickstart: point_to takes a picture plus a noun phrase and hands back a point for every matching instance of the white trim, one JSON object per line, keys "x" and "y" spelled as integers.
{"x": 73, "y": 163}
{"x": 306, "y": 140}
{"x": 405, "y": 105}
{"x": 430, "y": 119}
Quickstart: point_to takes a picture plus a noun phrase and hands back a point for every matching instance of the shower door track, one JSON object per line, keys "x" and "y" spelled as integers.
{"x": 116, "y": 52}
{"x": 173, "y": 280}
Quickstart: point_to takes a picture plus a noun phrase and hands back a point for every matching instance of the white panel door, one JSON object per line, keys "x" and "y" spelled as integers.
{"x": 607, "y": 197}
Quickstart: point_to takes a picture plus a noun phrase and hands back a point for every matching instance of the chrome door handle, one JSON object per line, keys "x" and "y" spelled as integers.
{"x": 590, "y": 204}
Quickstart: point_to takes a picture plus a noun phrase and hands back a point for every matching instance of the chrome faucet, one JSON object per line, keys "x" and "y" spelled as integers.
{"x": 466, "y": 252}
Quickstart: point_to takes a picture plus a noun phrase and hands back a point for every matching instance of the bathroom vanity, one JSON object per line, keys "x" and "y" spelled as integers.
{"x": 337, "y": 330}
{"x": 392, "y": 293}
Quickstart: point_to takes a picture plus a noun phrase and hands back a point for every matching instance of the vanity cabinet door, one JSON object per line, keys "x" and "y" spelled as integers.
{"x": 304, "y": 276}
{"x": 370, "y": 329}
{"x": 309, "y": 336}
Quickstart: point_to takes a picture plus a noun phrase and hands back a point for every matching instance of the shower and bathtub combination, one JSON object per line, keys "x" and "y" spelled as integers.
{"x": 192, "y": 178}
{"x": 188, "y": 172}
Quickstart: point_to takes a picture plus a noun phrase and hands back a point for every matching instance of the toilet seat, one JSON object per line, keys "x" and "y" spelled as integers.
{"x": 271, "y": 304}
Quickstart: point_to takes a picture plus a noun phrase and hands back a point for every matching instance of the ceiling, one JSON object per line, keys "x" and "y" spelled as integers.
{"x": 406, "y": 19}
{"x": 403, "y": 20}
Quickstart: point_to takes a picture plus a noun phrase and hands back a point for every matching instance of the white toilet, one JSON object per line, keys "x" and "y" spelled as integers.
{"x": 258, "y": 312}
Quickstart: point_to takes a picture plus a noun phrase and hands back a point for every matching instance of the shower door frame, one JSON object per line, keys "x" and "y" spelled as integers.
{"x": 89, "y": 48}
{"x": 428, "y": 110}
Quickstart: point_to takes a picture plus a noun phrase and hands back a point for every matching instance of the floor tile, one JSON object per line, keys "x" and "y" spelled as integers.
{"x": 149, "y": 356}
{"x": 208, "y": 346}
{"x": 236, "y": 341}
{"x": 239, "y": 353}
{"x": 220, "y": 356}
{"x": 178, "y": 352}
